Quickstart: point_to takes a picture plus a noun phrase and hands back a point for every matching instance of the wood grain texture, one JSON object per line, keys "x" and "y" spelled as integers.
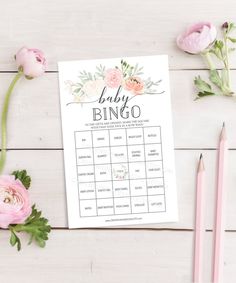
{"x": 72, "y": 29}
{"x": 102, "y": 256}
{"x": 87, "y": 29}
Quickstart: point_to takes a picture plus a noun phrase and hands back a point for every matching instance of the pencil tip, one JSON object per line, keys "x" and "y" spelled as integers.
{"x": 201, "y": 164}
{"x": 223, "y": 132}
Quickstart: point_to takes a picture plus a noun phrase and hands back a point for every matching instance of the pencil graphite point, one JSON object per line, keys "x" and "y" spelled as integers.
{"x": 201, "y": 164}
{"x": 223, "y": 132}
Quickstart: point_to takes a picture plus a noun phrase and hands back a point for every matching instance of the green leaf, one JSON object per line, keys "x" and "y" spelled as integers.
{"x": 218, "y": 49}
{"x": 23, "y": 177}
{"x": 35, "y": 225}
{"x": 14, "y": 240}
{"x": 215, "y": 78}
{"x": 28, "y": 77}
{"x": 219, "y": 44}
{"x": 232, "y": 39}
{"x": 201, "y": 85}
{"x": 217, "y": 53}
{"x": 205, "y": 93}
{"x": 231, "y": 27}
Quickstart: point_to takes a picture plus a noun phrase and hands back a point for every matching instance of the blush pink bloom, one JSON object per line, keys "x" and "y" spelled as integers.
{"x": 32, "y": 61}
{"x": 15, "y": 206}
{"x": 113, "y": 78}
{"x": 134, "y": 84}
{"x": 197, "y": 38}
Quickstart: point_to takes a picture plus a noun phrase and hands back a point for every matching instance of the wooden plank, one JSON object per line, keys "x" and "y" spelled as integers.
{"x": 90, "y": 256}
{"x": 81, "y": 29}
{"x": 48, "y": 188}
{"x": 34, "y": 115}
{"x": 72, "y": 29}
{"x": 197, "y": 124}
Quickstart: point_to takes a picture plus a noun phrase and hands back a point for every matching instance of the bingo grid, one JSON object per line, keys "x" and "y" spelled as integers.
{"x": 120, "y": 171}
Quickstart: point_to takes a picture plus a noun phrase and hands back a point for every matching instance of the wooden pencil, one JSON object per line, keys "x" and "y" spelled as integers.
{"x": 219, "y": 228}
{"x": 199, "y": 223}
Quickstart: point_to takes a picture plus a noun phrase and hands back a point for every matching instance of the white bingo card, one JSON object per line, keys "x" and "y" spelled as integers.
{"x": 118, "y": 144}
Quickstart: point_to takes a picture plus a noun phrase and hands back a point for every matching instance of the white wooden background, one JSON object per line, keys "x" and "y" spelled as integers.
{"x": 82, "y": 29}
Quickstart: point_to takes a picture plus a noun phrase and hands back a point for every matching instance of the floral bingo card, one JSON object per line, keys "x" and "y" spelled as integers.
{"x": 118, "y": 146}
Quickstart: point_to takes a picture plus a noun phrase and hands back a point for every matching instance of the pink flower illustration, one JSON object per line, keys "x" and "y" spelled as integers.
{"x": 15, "y": 206}
{"x": 134, "y": 84}
{"x": 113, "y": 78}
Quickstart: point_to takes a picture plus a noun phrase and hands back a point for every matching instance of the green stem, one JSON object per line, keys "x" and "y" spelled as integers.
{"x": 226, "y": 61}
{"x": 224, "y": 88}
{"x": 4, "y": 120}
{"x": 209, "y": 61}
{"x": 18, "y": 228}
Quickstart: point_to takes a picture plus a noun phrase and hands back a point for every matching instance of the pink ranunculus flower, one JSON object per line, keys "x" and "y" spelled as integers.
{"x": 15, "y": 206}
{"x": 197, "y": 38}
{"x": 134, "y": 84}
{"x": 113, "y": 78}
{"x": 32, "y": 61}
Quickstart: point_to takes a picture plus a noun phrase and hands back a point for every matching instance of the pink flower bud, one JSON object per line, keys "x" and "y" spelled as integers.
{"x": 197, "y": 38}
{"x": 225, "y": 25}
{"x": 31, "y": 61}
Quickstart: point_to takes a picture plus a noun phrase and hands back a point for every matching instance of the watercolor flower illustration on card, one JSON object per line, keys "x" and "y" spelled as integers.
{"x": 126, "y": 76}
{"x": 134, "y": 84}
{"x": 113, "y": 78}
{"x": 120, "y": 172}
{"x": 93, "y": 87}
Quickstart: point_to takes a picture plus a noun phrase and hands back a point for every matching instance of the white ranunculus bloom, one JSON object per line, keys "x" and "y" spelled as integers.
{"x": 93, "y": 88}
